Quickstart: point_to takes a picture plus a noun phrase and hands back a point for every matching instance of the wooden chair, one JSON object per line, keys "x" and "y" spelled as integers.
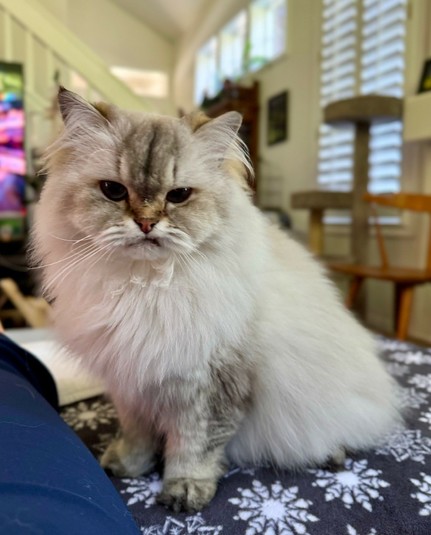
{"x": 33, "y": 310}
{"x": 405, "y": 279}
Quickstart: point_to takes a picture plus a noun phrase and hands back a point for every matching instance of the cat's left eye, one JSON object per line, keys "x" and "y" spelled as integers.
{"x": 114, "y": 191}
{"x": 178, "y": 195}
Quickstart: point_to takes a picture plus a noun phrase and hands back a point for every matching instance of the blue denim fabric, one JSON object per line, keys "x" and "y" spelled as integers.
{"x": 50, "y": 484}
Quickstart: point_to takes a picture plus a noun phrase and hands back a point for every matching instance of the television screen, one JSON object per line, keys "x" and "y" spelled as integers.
{"x": 12, "y": 151}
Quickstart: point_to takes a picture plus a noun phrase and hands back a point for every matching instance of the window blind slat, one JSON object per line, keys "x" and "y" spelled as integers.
{"x": 378, "y": 40}
{"x": 383, "y": 4}
{"x": 384, "y": 22}
{"x": 371, "y": 7}
{"x": 346, "y": 70}
{"x": 379, "y": 69}
{"x": 384, "y": 128}
{"x": 339, "y": 18}
{"x": 336, "y": 151}
{"x": 383, "y": 68}
{"x": 344, "y": 59}
{"x": 395, "y": 50}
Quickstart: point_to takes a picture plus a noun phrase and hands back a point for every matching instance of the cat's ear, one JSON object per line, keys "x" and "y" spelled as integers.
{"x": 218, "y": 136}
{"x": 222, "y": 129}
{"x": 75, "y": 110}
{"x": 222, "y": 146}
{"x": 195, "y": 120}
{"x": 228, "y": 123}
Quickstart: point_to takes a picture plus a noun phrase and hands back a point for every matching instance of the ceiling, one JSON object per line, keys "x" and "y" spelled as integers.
{"x": 171, "y": 18}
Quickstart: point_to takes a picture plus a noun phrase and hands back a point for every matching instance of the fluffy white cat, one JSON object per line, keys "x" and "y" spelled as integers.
{"x": 215, "y": 333}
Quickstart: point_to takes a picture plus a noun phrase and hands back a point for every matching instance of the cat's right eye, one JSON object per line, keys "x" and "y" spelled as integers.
{"x": 114, "y": 191}
{"x": 178, "y": 195}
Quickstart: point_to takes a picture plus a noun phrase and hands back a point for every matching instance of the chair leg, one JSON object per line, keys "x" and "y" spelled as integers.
{"x": 315, "y": 232}
{"x": 354, "y": 287}
{"x": 404, "y": 307}
{"x": 34, "y": 310}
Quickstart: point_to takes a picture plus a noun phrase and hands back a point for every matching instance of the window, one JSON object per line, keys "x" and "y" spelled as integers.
{"x": 254, "y": 37}
{"x": 232, "y": 47}
{"x": 363, "y": 46}
{"x": 206, "y": 75}
{"x": 338, "y": 81}
{"x": 267, "y": 31}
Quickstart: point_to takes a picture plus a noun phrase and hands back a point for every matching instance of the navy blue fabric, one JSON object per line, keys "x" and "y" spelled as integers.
{"x": 16, "y": 360}
{"x": 50, "y": 483}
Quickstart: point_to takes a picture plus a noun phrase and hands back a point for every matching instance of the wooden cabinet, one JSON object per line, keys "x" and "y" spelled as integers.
{"x": 245, "y": 100}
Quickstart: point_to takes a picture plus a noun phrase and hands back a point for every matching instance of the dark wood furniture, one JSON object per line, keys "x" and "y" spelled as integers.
{"x": 245, "y": 100}
{"x": 405, "y": 279}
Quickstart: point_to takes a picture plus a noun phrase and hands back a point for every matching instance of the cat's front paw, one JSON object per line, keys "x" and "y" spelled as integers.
{"x": 336, "y": 462}
{"x": 184, "y": 494}
{"x": 124, "y": 460}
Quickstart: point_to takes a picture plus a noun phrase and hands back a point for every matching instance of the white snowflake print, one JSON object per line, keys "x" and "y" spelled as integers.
{"x": 89, "y": 414}
{"x": 352, "y": 531}
{"x": 426, "y": 418}
{"x": 421, "y": 381}
{"x": 143, "y": 490}
{"x": 411, "y": 398}
{"x": 424, "y": 494}
{"x": 392, "y": 345}
{"x": 357, "y": 484}
{"x": 273, "y": 510}
{"x": 396, "y": 369}
{"x": 411, "y": 357}
{"x": 406, "y": 444}
{"x": 191, "y": 525}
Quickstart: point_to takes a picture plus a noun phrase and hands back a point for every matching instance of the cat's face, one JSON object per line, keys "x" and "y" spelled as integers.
{"x": 147, "y": 185}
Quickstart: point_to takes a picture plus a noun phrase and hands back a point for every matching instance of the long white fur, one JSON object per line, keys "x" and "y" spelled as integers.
{"x": 317, "y": 382}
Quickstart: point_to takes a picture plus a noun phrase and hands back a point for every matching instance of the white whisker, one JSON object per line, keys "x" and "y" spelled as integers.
{"x": 65, "y": 239}
{"x": 106, "y": 252}
{"x": 67, "y": 269}
{"x": 84, "y": 247}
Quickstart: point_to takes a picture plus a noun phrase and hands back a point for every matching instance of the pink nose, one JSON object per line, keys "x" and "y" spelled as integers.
{"x": 146, "y": 225}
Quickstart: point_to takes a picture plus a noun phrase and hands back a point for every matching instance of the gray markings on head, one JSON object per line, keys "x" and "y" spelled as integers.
{"x": 150, "y": 149}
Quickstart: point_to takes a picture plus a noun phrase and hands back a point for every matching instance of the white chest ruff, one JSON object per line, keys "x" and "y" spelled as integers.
{"x": 137, "y": 334}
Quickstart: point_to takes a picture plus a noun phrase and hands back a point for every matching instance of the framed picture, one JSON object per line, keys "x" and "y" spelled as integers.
{"x": 425, "y": 83}
{"x": 277, "y": 118}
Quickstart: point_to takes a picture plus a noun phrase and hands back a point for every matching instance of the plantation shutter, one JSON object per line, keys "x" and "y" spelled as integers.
{"x": 382, "y": 72}
{"x": 363, "y": 45}
{"x": 338, "y": 81}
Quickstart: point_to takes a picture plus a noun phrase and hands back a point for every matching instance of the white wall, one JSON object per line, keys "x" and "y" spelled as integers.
{"x": 293, "y": 163}
{"x": 118, "y": 38}
{"x": 287, "y": 166}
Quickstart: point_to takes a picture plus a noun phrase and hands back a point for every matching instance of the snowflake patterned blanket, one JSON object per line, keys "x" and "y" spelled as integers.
{"x": 383, "y": 492}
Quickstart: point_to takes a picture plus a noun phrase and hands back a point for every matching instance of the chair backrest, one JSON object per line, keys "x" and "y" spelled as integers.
{"x": 404, "y": 201}
{"x": 414, "y": 202}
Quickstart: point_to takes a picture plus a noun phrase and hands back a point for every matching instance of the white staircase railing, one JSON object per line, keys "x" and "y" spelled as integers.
{"x": 60, "y": 47}
{"x": 32, "y": 35}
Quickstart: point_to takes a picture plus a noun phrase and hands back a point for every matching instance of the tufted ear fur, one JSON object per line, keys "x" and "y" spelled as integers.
{"x": 76, "y": 111}
{"x": 88, "y": 128}
{"x": 196, "y": 119}
{"x": 222, "y": 130}
{"x": 222, "y": 145}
